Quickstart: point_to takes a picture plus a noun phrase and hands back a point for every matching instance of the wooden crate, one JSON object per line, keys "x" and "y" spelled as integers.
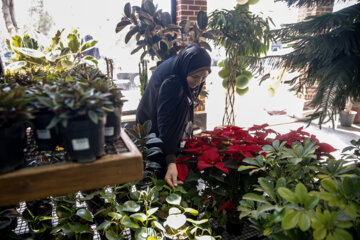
{"x": 61, "y": 178}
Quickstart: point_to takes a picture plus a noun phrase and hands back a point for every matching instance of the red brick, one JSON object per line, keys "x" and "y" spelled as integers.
{"x": 204, "y": 8}
{"x": 200, "y": 2}
{"x": 186, "y": 2}
{"x": 194, "y": 8}
{"x": 187, "y": 13}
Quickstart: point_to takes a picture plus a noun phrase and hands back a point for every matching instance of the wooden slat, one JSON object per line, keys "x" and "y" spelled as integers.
{"x": 58, "y": 179}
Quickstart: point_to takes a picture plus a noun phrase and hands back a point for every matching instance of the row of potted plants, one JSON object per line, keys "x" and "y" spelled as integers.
{"x": 77, "y": 109}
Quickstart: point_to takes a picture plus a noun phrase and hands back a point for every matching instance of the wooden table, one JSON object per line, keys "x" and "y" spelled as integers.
{"x": 66, "y": 177}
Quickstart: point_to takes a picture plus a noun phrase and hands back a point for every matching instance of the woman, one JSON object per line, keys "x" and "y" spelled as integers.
{"x": 168, "y": 102}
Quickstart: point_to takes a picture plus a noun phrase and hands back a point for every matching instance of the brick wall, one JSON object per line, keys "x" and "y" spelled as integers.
{"x": 188, "y": 9}
{"x": 304, "y": 12}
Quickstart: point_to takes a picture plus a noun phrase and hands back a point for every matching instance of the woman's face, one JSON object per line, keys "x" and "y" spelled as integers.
{"x": 197, "y": 78}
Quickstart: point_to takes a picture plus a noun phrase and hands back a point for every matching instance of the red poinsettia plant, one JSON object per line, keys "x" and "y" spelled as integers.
{"x": 214, "y": 158}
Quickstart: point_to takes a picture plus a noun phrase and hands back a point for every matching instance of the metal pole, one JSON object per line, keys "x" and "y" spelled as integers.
{"x": 173, "y": 11}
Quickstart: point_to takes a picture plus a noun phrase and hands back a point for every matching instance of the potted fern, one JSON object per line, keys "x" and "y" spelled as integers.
{"x": 14, "y": 114}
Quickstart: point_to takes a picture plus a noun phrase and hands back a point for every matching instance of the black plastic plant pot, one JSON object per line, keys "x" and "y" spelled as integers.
{"x": 12, "y": 144}
{"x": 46, "y": 139}
{"x": 83, "y": 139}
{"x": 113, "y": 126}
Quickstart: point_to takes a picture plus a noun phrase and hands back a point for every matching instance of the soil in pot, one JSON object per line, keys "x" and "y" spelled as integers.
{"x": 112, "y": 127}
{"x": 46, "y": 139}
{"x": 83, "y": 139}
{"x": 12, "y": 144}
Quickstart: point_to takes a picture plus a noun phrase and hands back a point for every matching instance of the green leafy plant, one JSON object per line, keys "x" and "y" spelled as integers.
{"x": 245, "y": 37}
{"x": 325, "y": 49}
{"x": 300, "y": 196}
{"x": 14, "y": 106}
{"x": 74, "y": 222}
{"x": 58, "y": 56}
{"x": 155, "y": 33}
{"x": 76, "y": 100}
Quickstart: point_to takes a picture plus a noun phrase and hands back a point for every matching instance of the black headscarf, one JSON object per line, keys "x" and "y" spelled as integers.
{"x": 191, "y": 60}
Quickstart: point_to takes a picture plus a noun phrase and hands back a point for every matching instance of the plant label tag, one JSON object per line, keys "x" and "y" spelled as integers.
{"x": 109, "y": 131}
{"x": 43, "y": 134}
{"x": 80, "y": 144}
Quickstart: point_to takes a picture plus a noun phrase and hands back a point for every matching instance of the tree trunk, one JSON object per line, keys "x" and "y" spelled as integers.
{"x": 7, "y": 17}
{"x": 12, "y": 14}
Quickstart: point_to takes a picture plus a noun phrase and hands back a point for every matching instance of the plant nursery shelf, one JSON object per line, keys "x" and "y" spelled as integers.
{"x": 61, "y": 178}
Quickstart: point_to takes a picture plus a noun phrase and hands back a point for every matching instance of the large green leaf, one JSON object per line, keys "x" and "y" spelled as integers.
{"x": 301, "y": 193}
{"x": 290, "y": 220}
{"x": 202, "y": 20}
{"x": 342, "y": 234}
{"x": 173, "y": 199}
{"x": 329, "y": 185}
{"x": 84, "y": 214}
{"x": 255, "y": 197}
{"x": 304, "y": 222}
{"x": 104, "y": 225}
{"x": 268, "y": 188}
{"x": 128, "y": 222}
{"x": 288, "y": 195}
{"x": 320, "y": 233}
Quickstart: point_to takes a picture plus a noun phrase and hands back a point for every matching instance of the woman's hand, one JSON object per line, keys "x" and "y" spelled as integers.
{"x": 171, "y": 175}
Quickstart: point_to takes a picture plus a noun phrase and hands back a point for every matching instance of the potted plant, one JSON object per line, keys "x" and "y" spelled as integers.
{"x": 246, "y": 37}
{"x": 101, "y": 83}
{"x": 347, "y": 115}
{"x": 14, "y": 114}
{"x": 301, "y": 196}
{"x": 44, "y": 95}
{"x": 81, "y": 110}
